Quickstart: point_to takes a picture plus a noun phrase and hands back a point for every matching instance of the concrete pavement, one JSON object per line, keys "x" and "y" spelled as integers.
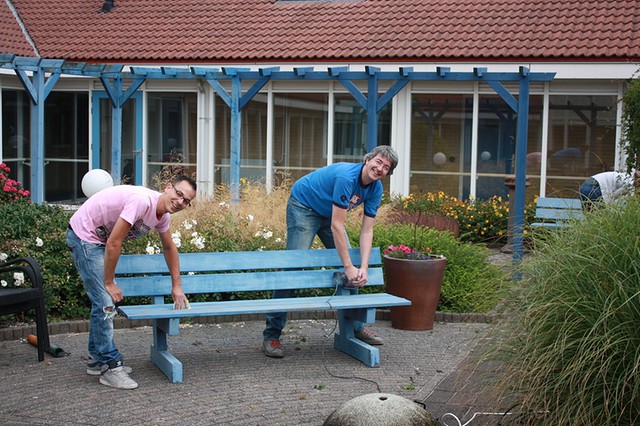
{"x": 228, "y": 381}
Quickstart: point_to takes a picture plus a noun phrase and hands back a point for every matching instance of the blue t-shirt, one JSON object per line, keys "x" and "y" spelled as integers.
{"x": 338, "y": 184}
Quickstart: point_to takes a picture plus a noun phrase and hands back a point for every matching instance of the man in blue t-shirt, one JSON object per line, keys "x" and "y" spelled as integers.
{"x": 318, "y": 205}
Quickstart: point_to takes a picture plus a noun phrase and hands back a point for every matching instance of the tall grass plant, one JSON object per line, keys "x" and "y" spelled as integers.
{"x": 574, "y": 354}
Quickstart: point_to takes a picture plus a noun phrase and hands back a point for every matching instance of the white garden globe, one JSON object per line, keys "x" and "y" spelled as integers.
{"x": 485, "y": 156}
{"x": 439, "y": 158}
{"x": 96, "y": 180}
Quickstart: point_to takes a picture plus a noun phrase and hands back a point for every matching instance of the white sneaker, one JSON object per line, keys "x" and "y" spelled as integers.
{"x": 117, "y": 377}
{"x": 94, "y": 369}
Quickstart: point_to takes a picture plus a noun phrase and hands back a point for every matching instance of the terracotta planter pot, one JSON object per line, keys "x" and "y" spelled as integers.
{"x": 420, "y": 282}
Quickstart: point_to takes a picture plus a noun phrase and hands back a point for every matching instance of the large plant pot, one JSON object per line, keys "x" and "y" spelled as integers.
{"x": 420, "y": 282}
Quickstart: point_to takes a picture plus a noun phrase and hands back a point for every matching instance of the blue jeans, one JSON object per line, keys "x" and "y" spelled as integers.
{"x": 590, "y": 193}
{"x": 89, "y": 260}
{"x": 303, "y": 224}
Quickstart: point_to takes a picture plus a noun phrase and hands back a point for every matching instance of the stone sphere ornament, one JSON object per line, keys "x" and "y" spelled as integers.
{"x": 96, "y": 180}
{"x": 380, "y": 409}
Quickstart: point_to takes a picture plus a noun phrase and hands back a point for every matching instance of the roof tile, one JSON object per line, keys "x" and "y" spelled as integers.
{"x": 269, "y": 30}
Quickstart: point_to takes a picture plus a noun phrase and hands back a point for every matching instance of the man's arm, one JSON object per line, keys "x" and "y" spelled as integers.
{"x": 338, "y": 219}
{"x": 170, "y": 253}
{"x": 112, "y": 252}
{"x": 366, "y": 240}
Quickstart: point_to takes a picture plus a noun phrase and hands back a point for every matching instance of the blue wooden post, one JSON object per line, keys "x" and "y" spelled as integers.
{"x": 521, "y": 167}
{"x": 116, "y": 132}
{"x": 37, "y": 139}
{"x": 117, "y": 97}
{"x": 38, "y": 91}
{"x": 236, "y": 139}
{"x": 372, "y": 108}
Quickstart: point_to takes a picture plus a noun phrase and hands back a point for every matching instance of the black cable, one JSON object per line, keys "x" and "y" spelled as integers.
{"x": 327, "y": 336}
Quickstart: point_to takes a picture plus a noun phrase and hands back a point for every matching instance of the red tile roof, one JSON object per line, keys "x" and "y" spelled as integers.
{"x": 12, "y": 39}
{"x": 223, "y": 31}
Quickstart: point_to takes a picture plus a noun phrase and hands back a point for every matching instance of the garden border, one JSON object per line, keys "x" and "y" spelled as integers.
{"x": 82, "y": 326}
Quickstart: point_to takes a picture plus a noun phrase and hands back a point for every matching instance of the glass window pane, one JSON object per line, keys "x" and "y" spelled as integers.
{"x": 16, "y": 135}
{"x": 582, "y": 132}
{"x": 497, "y": 131}
{"x": 253, "y": 140}
{"x": 350, "y": 128}
{"x": 172, "y": 136}
{"x": 440, "y": 140}
{"x": 66, "y": 139}
{"x": 300, "y": 133}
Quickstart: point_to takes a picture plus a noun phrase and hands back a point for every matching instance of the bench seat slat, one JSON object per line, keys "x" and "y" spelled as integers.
{"x": 235, "y": 307}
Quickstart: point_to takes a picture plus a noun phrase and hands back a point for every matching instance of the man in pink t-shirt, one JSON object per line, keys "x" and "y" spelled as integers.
{"x": 95, "y": 236}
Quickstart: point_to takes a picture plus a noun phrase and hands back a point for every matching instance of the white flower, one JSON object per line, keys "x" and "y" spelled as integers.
{"x": 267, "y": 234}
{"x": 278, "y": 240}
{"x": 250, "y": 218}
{"x": 176, "y": 237}
{"x": 18, "y": 278}
{"x": 3, "y": 283}
{"x": 197, "y": 241}
{"x": 187, "y": 225}
{"x": 39, "y": 242}
{"x": 195, "y": 222}
{"x": 150, "y": 249}
{"x": 3, "y": 257}
{"x": 191, "y": 273}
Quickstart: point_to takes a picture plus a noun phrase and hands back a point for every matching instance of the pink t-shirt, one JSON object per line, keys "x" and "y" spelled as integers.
{"x": 95, "y": 219}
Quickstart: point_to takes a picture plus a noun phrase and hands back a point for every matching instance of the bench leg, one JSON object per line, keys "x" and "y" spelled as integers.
{"x": 346, "y": 341}
{"x": 160, "y": 355}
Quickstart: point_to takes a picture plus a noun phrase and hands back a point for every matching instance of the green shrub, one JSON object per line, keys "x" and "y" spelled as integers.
{"x": 39, "y": 231}
{"x": 471, "y": 283}
{"x": 575, "y": 351}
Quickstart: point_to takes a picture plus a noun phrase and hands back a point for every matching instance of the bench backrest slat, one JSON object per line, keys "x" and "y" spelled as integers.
{"x": 560, "y": 203}
{"x": 147, "y": 275}
{"x": 240, "y": 261}
{"x": 160, "y": 285}
{"x": 559, "y": 209}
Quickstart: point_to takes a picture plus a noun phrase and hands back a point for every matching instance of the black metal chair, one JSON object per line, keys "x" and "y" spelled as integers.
{"x": 24, "y": 298}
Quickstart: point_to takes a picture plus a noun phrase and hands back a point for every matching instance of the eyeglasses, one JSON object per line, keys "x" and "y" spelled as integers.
{"x": 180, "y": 194}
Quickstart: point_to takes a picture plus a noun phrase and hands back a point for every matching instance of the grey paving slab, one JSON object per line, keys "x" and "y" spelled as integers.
{"x": 228, "y": 381}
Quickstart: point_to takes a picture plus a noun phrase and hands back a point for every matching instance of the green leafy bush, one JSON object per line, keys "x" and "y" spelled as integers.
{"x": 575, "y": 351}
{"x": 39, "y": 231}
{"x": 471, "y": 283}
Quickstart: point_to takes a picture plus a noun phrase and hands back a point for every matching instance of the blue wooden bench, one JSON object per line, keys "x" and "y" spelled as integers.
{"x": 147, "y": 275}
{"x": 554, "y": 213}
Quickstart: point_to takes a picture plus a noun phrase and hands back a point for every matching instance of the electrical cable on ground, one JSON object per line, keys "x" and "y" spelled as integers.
{"x": 327, "y": 336}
